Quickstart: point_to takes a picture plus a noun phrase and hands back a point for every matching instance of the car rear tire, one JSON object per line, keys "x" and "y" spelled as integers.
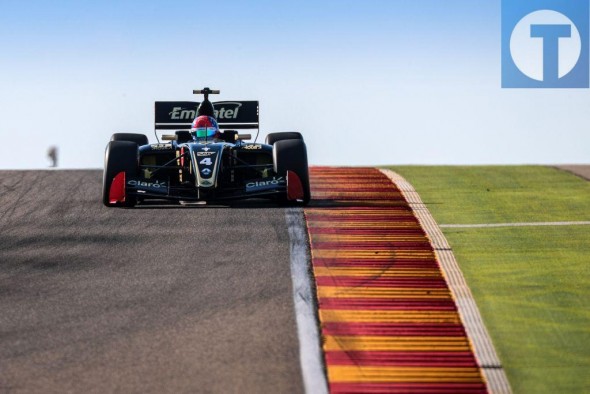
{"x": 119, "y": 156}
{"x": 287, "y": 135}
{"x": 139, "y": 139}
{"x": 291, "y": 155}
{"x": 183, "y": 136}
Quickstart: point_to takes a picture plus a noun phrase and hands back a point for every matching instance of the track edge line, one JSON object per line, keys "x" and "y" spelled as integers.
{"x": 311, "y": 356}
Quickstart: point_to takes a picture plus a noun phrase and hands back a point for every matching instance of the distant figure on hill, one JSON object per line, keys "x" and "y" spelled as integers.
{"x": 52, "y": 155}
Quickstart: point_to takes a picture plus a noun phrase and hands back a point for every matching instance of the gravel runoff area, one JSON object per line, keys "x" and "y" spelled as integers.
{"x": 581, "y": 170}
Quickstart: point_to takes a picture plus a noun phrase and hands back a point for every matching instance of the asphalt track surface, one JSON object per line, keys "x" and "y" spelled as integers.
{"x": 144, "y": 300}
{"x": 580, "y": 170}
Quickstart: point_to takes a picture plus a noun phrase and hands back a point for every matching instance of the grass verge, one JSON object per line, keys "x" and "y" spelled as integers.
{"x": 532, "y": 284}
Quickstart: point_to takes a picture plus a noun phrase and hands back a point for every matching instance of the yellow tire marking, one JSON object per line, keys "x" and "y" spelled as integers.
{"x": 376, "y": 272}
{"x": 388, "y": 316}
{"x": 381, "y": 292}
{"x": 403, "y": 374}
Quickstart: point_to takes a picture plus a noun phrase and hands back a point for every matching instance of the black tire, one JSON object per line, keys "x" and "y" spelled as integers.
{"x": 139, "y": 139}
{"x": 291, "y": 155}
{"x": 183, "y": 136}
{"x": 230, "y": 136}
{"x": 119, "y": 156}
{"x": 287, "y": 135}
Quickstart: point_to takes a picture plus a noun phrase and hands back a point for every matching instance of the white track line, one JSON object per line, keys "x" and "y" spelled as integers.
{"x": 486, "y": 225}
{"x": 310, "y": 352}
{"x": 479, "y": 337}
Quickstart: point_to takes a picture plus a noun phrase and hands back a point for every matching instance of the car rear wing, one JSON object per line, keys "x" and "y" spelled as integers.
{"x": 231, "y": 115}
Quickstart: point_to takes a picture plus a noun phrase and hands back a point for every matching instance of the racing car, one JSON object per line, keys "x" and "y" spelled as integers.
{"x": 184, "y": 167}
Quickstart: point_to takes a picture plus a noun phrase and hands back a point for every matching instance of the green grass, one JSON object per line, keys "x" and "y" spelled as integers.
{"x": 500, "y": 194}
{"x": 532, "y": 284}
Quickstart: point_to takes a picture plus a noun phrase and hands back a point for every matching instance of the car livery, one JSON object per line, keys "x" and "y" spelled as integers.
{"x": 191, "y": 169}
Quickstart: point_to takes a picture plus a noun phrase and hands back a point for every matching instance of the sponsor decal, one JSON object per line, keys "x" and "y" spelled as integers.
{"x": 205, "y": 153}
{"x": 154, "y": 185}
{"x": 253, "y": 147}
{"x": 161, "y": 146}
{"x": 206, "y": 149}
{"x": 179, "y": 113}
{"x": 228, "y": 111}
{"x": 148, "y": 187}
{"x": 206, "y": 183}
{"x": 265, "y": 184}
{"x": 206, "y": 172}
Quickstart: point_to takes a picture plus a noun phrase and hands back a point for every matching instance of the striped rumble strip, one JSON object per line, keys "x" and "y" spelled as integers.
{"x": 389, "y": 323}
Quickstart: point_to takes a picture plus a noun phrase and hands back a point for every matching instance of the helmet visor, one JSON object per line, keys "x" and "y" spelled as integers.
{"x": 202, "y": 132}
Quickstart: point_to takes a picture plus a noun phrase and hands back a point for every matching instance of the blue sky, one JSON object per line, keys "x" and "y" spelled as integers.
{"x": 366, "y": 82}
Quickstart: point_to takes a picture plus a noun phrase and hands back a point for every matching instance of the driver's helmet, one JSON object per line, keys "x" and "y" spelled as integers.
{"x": 205, "y": 126}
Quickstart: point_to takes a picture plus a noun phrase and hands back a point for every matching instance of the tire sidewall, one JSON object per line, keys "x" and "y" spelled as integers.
{"x": 139, "y": 139}
{"x": 119, "y": 156}
{"x": 291, "y": 155}
{"x": 285, "y": 135}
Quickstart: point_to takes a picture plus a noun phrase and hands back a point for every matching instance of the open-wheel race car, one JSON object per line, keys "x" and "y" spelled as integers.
{"x": 205, "y": 159}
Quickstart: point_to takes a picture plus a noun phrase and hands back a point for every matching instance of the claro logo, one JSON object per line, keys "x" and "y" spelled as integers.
{"x": 223, "y": 111}
{"x": 155, "y": 185}
{"x": 271, "y": 182}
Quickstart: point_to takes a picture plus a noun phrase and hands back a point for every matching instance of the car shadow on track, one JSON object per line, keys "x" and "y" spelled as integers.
{"x": 266, "y": 204}
{"x": 249, "y": 204}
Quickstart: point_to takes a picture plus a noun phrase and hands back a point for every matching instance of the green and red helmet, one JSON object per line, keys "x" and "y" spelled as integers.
{"x": 205, "y": 127}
